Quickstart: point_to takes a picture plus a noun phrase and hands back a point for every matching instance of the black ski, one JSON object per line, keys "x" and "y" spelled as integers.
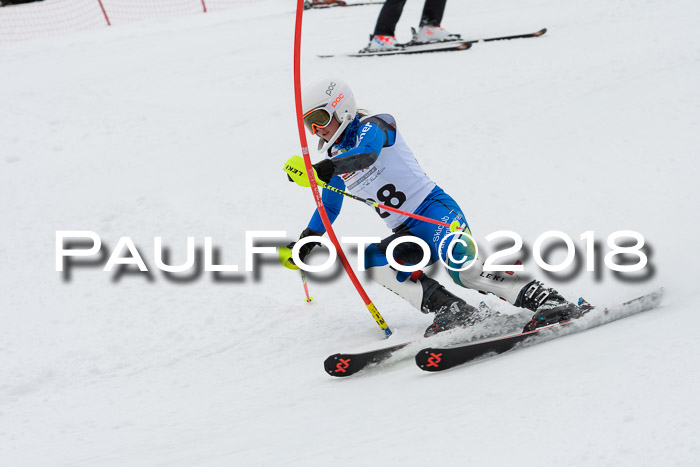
{"x": 347, "y": 364}
{"x": 438, "y": 359}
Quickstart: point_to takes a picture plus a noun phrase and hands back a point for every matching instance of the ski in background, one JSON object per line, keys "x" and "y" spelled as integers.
{"x": 443, "y": 46}
{"x": 321, "y": 4}
{"x": 412, "y": 47}
{"x": 539, "y": 33}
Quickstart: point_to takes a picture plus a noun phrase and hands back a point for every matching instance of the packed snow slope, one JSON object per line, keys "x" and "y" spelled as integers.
{"x": 180, "y": 128}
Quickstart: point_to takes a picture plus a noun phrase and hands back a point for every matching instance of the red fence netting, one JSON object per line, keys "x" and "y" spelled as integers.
{"x": 49, "y": 18}
{"x": 220, "y": 5}
{"x": 126, "y": 11}
{"x": 54, "y": 17}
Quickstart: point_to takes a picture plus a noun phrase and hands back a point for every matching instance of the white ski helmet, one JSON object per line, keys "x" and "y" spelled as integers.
{"x": 324, "y": 100}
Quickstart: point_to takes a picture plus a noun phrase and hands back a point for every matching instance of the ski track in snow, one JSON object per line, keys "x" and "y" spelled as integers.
{"x": 180, "y": 127}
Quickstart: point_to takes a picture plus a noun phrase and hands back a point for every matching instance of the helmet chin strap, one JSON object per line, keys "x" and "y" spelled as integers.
{"x": 324, "y": 145}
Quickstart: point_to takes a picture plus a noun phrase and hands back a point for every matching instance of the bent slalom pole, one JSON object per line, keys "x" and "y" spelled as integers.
{"x": 312, "y": 181}
{"x": 296, "y": 170}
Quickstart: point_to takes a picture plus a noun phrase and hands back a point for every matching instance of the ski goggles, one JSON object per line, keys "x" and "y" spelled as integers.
{"x": 318, "y": 118}
{"x": 321, "y": 117}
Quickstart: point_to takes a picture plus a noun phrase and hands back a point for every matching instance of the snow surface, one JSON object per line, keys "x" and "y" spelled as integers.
{"x": 179, "y": 128}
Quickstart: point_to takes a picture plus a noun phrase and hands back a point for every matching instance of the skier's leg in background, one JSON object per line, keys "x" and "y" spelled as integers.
{"x": 432, "y": 13}
{"x": 388, "y": 17}
{"x": 384, "y": 37}
{"x": 429, "y": 29}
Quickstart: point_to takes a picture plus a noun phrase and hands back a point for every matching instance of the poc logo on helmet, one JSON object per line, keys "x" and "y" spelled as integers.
{"x": 337, "y": 100}
{"x": 330, "y": 89}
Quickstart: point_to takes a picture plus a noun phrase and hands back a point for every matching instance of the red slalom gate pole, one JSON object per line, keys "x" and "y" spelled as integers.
{"x": 310, "y": 173}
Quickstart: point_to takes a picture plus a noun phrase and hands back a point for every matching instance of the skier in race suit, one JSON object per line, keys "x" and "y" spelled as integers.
{"x": 367, "y": 156}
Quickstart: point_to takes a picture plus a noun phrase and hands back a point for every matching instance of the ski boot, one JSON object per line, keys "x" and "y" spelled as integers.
{"x": 450, "y": 311}
{"x": 381, "y": 43}
{"x": 431, "y": 34}
{"x": 549, "y": 306}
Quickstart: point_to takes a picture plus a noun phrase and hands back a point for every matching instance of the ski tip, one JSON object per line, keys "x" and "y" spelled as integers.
{"x": 540, "y": 32}
{"x": 655, "y": 294}
{"x": 429, "y": 359}
{"x": 658, "y": 293}
{"x": 336, "y": 365}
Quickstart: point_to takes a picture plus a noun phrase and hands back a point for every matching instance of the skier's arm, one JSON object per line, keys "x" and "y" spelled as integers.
{"x": 332, "y": 201}
{"x": 373, "y": 137}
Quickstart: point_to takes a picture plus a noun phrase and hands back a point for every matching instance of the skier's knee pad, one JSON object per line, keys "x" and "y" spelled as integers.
{"x": 468, "y": 271}
{"x": 409, "y": 289}
{"x": 506, "y": 285}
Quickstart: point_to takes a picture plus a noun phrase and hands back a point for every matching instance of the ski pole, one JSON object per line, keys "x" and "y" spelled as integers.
{"x": 296, "y": 171}
{"x": 374, "y": 204}
{"x": 308, "y": 298}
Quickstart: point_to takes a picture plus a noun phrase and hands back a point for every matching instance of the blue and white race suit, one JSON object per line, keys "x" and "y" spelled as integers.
{"x": 395, "y": 179}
